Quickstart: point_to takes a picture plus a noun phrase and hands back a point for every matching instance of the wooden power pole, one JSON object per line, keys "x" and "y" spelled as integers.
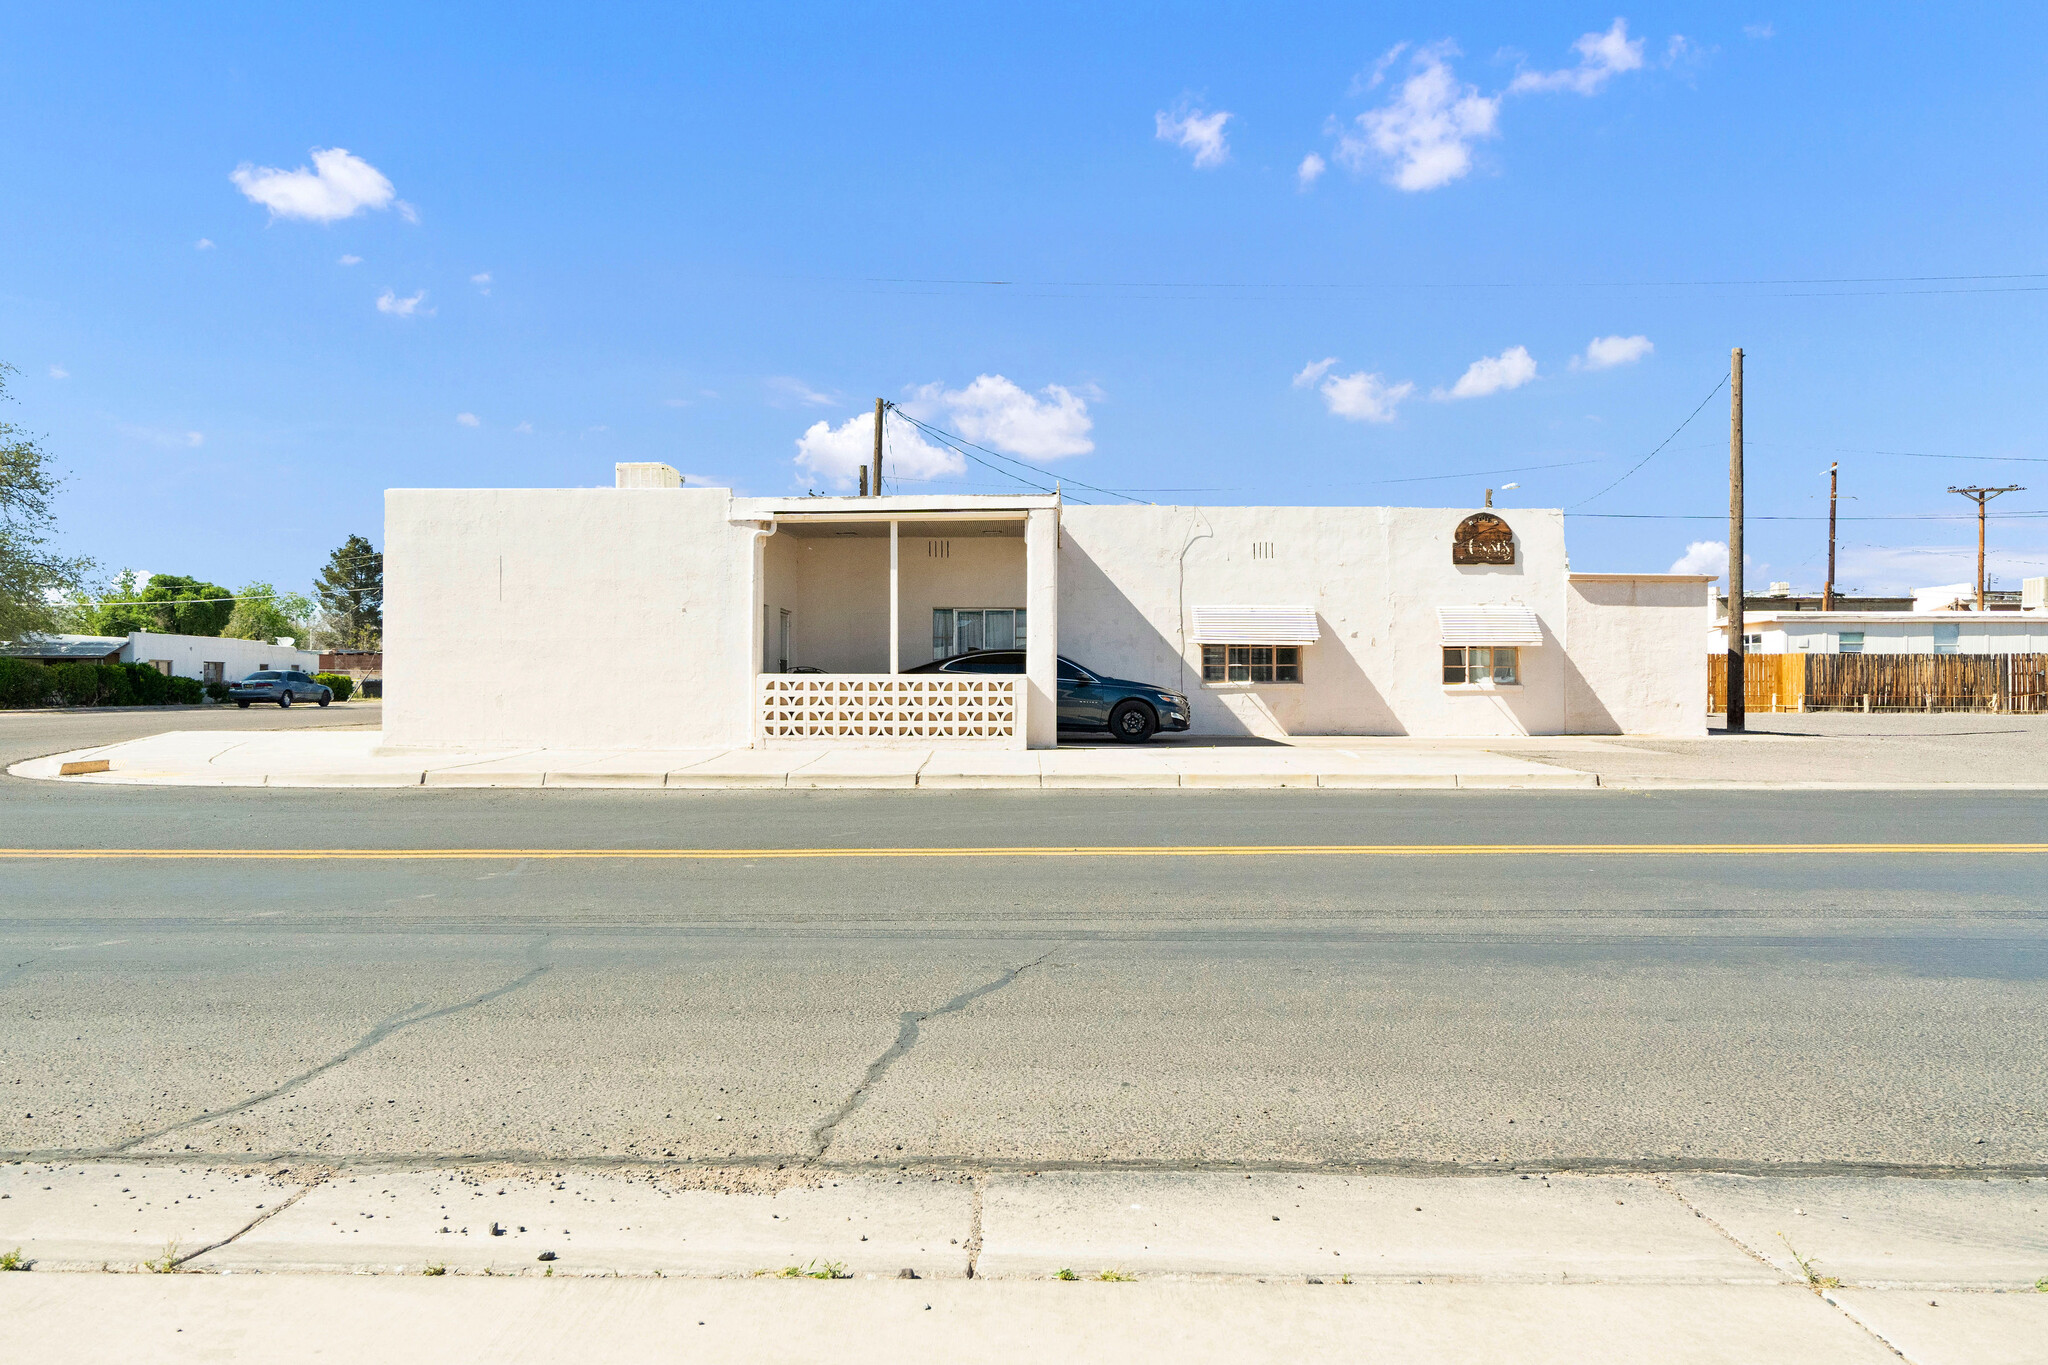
{"x": 876, "y": 482}
{"x": 1737, "y": 645}
{"x": 1827, "y": 594}
{"x": 1982, "y": 496}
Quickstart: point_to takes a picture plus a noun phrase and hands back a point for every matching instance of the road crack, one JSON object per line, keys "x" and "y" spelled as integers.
{"x": 397, "y": 1023}
{"x": 907, "y": 1030}
{"x": 246, "y": 1228}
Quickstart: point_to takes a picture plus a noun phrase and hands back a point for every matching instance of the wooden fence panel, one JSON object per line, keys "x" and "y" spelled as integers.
{"x": 1885, "y": 682}
{"x": 1770, "y": 682}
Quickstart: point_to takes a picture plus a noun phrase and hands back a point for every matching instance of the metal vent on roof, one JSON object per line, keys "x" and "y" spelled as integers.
{"x": 1255, "y": 625}
{"x": 1489, "y": 626}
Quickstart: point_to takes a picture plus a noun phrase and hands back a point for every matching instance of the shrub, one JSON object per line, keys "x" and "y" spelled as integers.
{"x": 344, "y": 686}
{"x": 75, "y": 684}
{"x": 217, "y": 691}
{"x": 149, "y": 687}
{"x": 23, "y": 682}
{"x": 185, "y": 691}
{"x": 116, "y": 685}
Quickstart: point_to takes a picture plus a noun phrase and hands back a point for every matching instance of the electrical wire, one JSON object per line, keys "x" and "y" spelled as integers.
{"x": 1660, "y": 445}
{"x": 957, "y": 442}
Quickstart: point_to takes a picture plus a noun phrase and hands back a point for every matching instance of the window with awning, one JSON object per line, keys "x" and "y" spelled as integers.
{"x": 1255, "y": 625}
{"x": 1516, "y": 626}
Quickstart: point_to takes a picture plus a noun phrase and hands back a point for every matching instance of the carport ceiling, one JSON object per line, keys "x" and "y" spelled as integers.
{"x": 936, "y": 530}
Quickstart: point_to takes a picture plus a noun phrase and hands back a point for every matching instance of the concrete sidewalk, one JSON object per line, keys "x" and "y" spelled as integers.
{"x": 355, "y": 758}
{"x": 1209, "y": 1265}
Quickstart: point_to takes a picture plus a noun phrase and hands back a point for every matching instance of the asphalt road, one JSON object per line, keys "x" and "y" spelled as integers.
{"x": 1670, "y": 1009}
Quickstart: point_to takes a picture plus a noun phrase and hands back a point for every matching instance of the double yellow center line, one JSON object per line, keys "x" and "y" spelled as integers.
{"x": 1049, "y": 851}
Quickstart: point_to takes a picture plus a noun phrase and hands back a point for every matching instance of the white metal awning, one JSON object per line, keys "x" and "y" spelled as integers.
{"x": 1255, "y": 625}
{"x": 1489, "y": 626}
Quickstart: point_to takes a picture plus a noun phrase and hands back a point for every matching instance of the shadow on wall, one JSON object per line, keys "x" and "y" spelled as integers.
{"x": 1584, "y": 712}
{"x": 1333, "y": 670}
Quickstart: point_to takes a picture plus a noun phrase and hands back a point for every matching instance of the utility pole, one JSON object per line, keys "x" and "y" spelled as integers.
{"x": 1827, "y": 594}
{"x": 1737, "y": 644}
{"x": 880, "y": 406}
{"x": 1982, "y": 496}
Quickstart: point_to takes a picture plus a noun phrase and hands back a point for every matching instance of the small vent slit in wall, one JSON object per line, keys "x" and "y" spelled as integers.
{"x": 1263, "y": 549}
{"x": 938, "y": 549}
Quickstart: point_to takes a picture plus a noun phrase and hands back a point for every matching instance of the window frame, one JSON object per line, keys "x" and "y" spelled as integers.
{"x": 1498, "y": 674}
{"x": 1224, "y": 664}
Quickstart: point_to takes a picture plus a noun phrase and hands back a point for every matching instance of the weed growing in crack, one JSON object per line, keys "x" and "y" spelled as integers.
{"x": 1115, "y": 1277}
{"x": 165, "y": 1264}
{"x": 14, "y": 1260}
{"x": 1814, "y": 1279}
{"x": 435, "y": 1269}
{"x": 815, "y": 1270}
{"x": 1064, "y": 1274}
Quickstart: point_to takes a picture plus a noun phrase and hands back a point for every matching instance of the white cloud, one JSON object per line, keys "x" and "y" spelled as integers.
{"x": 992, "y": 411}
{"x": 1427, "y": 130}
{"x": 350, "y": 260}
{"x": 1604, "y": 353}
{"x": 341, "y": 185}
{"x": 203, "y": 244}
{"x": 1356, "y": 397}
{"x": 1510, "y": 369}
{"x": 1310, "y": 170}
{"x": 836, "y": 455}
{"x": 59, "y": 372}
{"x": 1703, "y": 556}
{"x": 1196, "y": 131}
{"x": 190, "y": 440}
{"x": 788, "y": 390}
{"x": 482, "y": 281}
{"x": 389, "y": 302}
{"x": 1764, "y": 30}
{"x": 407, "y": 211}
{"x": 468, "y": 419}
{"x": 524, "y": 428}
{"x": 1602, "y": 56}
{"x": 1313, "y": 371}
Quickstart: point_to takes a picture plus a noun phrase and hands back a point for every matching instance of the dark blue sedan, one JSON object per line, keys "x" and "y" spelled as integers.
{"x": 1132, "y": 711}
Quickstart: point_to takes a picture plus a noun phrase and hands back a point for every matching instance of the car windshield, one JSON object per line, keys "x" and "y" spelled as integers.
{"x": 994, "y": 661}
{"x": 261, "y": 677}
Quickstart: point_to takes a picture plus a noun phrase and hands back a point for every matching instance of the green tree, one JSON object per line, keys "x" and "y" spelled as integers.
{"x": 263, "y": 613}
{"x": 33, "y": 579}
{"x": 351, "y": 594}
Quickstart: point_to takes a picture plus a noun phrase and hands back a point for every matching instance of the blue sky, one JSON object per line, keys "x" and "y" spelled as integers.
{"x": 1090, "y": 237}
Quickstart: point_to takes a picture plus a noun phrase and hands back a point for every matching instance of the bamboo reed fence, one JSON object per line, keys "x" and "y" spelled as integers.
{"x": 1884, "y": 682}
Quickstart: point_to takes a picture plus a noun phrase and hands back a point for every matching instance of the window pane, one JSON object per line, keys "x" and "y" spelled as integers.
{"x": 1212, "y": 663}
{"x": 1240, "y": 663}
{"x": 1504, "y": 661}
{"x": 1287, "y": 664}
{"x": 966, "y": 631}
{"x": 1262, "y": 663}
{"x": 942, "y": 632}
{"x": 1454, "y": 664}
{"x": 999, "y": 630}
{"x": 1020, "y": 627}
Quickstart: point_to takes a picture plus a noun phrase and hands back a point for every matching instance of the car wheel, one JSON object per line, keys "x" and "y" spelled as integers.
{"x": 1133, "y": 722}
{"x": 244, "y": 705}
{"x": 326, "y": 697}
{"x": 284, "y": 702}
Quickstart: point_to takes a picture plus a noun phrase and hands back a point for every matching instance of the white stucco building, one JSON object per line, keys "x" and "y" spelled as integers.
{"x": 209, "y": 658}
{"x": 656, "y": 615}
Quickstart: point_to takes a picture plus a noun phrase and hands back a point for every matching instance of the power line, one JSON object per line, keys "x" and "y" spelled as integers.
{"x": 1333, "y": 285}
{"x": 1660, "y": 445}
{"x": 950, "y": 438}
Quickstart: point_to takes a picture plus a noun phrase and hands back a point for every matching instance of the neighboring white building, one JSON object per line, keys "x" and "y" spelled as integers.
{"x": 1891, "y": 632}
{"x": 205, "y": 657}
{"x": 655, "y": 615}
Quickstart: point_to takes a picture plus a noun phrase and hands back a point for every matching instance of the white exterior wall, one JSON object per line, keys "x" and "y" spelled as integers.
{"x": 1634, "y": 665}
{"x": 238, "y": 658}
{"x": 837, "y": 593}
{"x": 602, "y": 618}
{"x": 1129, "y": 577}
